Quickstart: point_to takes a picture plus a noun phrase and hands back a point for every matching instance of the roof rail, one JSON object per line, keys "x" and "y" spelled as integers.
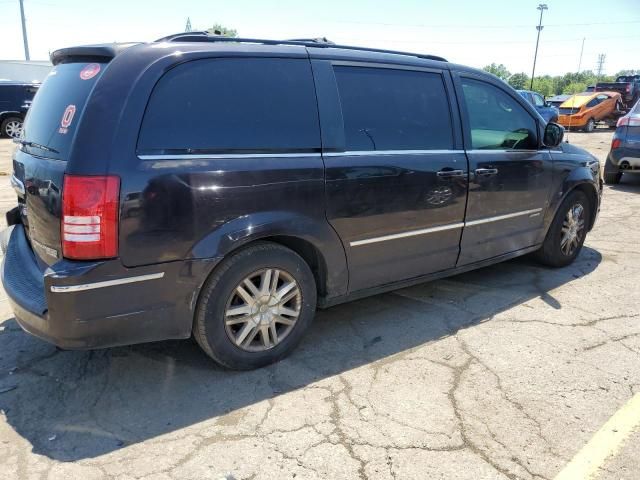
{"x": 314, "y": 43}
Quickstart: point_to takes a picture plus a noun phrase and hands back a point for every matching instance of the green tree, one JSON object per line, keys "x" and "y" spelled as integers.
{"x": 574, "y": 87}
{"x": 499, "y": 71}
{"x": 218, "y": 29}
{"x": 544, "y": 85}
{"x": 519, "y": 81}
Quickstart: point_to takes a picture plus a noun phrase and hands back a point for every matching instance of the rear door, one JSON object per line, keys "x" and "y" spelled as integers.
{"x": 510, "y": 177}
{"x": 39, "y": 164}
{"x": 396, "y": 179}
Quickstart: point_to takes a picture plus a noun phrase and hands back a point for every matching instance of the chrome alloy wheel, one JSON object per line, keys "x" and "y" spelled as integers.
{"x": 572, "y": 231}
{"x": 13, "y": 129}
{"x": 262, "y": 310}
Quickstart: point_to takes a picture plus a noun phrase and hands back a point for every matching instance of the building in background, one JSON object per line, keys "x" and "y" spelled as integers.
{"x": 24, "y": 71}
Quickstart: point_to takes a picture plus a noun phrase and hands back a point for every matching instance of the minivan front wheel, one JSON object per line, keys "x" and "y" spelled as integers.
{"x": 567, "y": 232}
{"x": 255, "y": 307}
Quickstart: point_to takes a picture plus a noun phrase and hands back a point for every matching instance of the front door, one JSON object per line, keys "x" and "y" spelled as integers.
{"x": 510, "y": 177}
{"x": 396, "y": 191}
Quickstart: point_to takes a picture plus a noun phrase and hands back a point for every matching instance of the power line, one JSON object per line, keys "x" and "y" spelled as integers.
{"x": 457, "y": 25}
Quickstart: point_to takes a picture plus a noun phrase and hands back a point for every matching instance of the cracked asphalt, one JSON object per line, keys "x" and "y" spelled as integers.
{"x": 501, "y": 373}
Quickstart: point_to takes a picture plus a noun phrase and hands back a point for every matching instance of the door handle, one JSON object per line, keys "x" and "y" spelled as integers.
{"x": 485, "y": 172}
{"x": 451, "y": 173}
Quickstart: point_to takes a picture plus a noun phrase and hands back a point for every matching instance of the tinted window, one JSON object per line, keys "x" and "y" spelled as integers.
{"x": 386, "y": 109}
{"x": 592, "y": 103}
{"x": 53, "y": 117}
{"x": 496, "y": 120}
{"x": 222, "y": 105}
{"x": 538, "y": 101}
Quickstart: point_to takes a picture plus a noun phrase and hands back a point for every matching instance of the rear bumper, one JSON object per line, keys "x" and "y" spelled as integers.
{"x": 624, "y": 160}
{"x": 83, "y": 305}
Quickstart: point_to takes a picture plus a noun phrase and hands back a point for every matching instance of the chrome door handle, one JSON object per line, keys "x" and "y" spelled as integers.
{"x": 485, "y": 172}
{"x": 450, "y": 173}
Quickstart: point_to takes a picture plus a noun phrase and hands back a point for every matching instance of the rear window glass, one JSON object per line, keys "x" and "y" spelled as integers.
{"x": 232, "y": 105}
{"x": 388, "y": 109}
{"x": 53, "y": 117}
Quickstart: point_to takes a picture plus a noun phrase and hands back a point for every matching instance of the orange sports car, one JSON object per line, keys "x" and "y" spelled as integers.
{"x": 583, "y": 110}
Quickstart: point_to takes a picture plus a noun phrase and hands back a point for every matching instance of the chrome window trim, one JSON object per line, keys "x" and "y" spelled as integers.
{"x": 363, "y": 153}
{"x": 533, "y": 213}
{"x": 208, "y": 156}
{"x": 506, "y": 151}
{"x": 106, "y": 283}
{"x": 411, "y": 233}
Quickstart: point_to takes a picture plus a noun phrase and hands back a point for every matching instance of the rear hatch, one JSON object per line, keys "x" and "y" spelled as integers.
{"x": 40, "y": 161}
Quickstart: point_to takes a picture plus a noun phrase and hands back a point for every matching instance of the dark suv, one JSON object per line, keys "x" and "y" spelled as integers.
{"x": 197, "y": 186}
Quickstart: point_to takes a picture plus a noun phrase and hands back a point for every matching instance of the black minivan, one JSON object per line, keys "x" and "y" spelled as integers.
{"x": 226, "y": 188}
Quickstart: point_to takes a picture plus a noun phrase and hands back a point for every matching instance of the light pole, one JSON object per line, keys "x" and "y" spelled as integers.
{"x": 542, "y": 7}
{"x": 24, "y": 32}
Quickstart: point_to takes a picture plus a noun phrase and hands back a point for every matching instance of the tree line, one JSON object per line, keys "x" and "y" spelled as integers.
{"x": 571, "y": 82}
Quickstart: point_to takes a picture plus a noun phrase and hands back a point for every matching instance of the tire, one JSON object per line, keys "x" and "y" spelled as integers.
{"x": 222, "y": 312}
{"x": 11, "y": 127}
{"x": 612, "y": 174}
{"x": 590, "y": 126}
{"x": 612, "y": 178}
{"x": 553, "y": 252}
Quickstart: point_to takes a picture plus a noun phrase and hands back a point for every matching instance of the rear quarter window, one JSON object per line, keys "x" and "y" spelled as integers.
{"x": 252, "y": 105}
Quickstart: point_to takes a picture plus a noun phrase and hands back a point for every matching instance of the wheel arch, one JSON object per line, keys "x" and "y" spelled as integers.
{"x": 314, "y": 240}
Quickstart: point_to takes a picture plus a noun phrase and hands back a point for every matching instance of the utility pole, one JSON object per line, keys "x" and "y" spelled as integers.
{"x": 581, "y": 52}
{"x": 542, "y": 7}
{"x": 601, "y": 59}
{"x": 24, "y": 32}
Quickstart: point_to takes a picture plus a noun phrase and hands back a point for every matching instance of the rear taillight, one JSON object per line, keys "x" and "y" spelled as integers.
{"x": 629, "y": 121}
{"x": 615, "y": 143}
{"x": 90, "y": 217}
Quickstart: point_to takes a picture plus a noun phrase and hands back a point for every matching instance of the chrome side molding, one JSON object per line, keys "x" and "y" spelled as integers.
{"x": 107, "y": 283}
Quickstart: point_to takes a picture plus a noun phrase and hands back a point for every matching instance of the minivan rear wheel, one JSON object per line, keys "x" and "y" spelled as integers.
{"x": 11, "y": 127}
{"x": 567, "y": 232}
{"x": 255, "y": 307}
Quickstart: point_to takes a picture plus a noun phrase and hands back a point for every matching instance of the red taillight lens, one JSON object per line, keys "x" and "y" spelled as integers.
{"x": 615, "y": 143}
{"x": 90, "y": 217}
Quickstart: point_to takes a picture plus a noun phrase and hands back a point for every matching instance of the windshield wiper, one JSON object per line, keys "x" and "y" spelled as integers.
{"x": 35, "y": 145}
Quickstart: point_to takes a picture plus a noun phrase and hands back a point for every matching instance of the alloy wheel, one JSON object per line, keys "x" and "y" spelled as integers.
{"x": 13, "y": 129}
{"x": 262, "y": 310}
{"x": 573, "y": 228}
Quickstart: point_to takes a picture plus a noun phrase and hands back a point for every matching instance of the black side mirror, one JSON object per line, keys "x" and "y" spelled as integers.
{"x": 553, "y": 134}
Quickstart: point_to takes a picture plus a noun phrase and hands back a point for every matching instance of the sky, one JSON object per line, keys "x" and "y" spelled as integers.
{"x": 469, "y": 32}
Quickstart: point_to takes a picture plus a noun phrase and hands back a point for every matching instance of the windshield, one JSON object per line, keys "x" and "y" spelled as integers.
{"x": 53, "y": 117}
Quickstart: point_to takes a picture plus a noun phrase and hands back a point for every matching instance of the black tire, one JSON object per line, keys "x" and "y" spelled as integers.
{"x": 551, "y": 252}
{"x": 210, "y": 330}
{"x": 590, "y": 126}
{"x": 612, "y": 174}
{"x": 612, "y": 178}
{"x": 6, "y": 123}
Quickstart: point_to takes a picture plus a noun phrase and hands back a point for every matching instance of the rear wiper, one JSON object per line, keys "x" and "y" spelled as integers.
{"x": 35, "y": 145}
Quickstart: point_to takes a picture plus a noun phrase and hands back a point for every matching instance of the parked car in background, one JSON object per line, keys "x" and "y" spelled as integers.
{"x": 584, "y": 110}
{"x": 546, "y": 110}
{"x": 224, "y": 190}
{"x": 624, "y": 156}
{"x": 15, "y": 100}
{"x": 628, "y": 86}
{"x": 557, "y": 100}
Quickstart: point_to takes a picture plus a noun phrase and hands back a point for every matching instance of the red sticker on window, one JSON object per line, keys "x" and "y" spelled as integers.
{"x": 90, "y": 71}
{"x": 67, "y": 118}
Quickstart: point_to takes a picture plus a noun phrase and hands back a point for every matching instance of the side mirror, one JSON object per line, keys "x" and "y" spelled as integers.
{"x": 553, "y": 134}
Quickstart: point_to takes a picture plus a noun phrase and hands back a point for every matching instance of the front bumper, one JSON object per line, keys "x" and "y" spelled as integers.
{"x": 83, "y": 305}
